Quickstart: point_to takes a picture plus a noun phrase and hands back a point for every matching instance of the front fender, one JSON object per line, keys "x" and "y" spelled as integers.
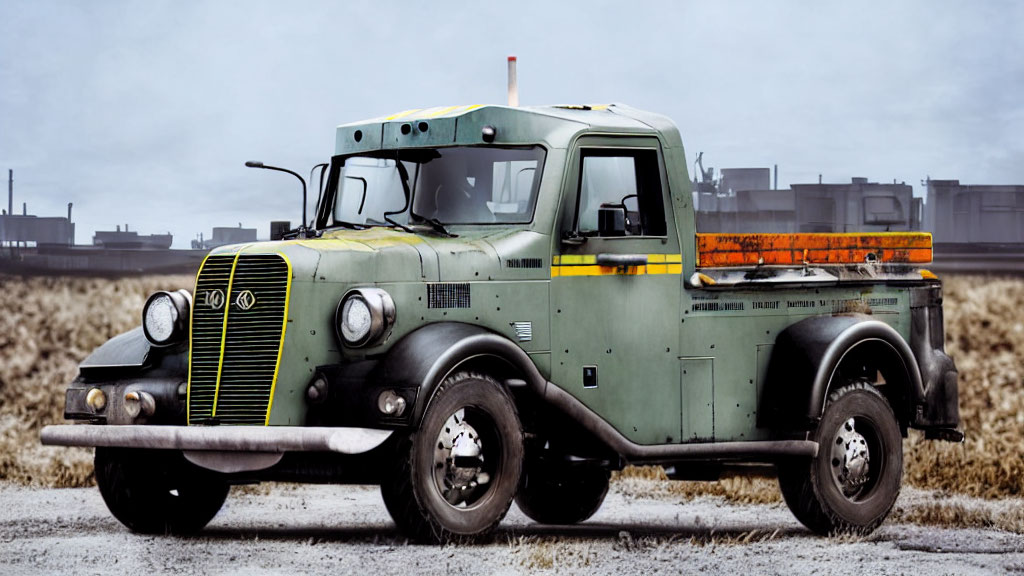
{"x": 123, "y": 353}
{"x": 128, "y": 363}
{"x": 426, "y": 356}
{"x": 807, "y": 355}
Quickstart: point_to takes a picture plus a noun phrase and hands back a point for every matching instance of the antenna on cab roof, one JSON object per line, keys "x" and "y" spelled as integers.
{"x": 513, "y": 83}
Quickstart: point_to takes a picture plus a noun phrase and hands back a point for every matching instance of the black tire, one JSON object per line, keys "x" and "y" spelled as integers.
{"x": 830, "y": 497}
{"x": 423, "y": 493}
{"x": 553, "y": 494}
{"x": 157, "y": 492}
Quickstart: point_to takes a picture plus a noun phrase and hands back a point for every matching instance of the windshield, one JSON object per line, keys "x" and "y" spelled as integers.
{"x": 456, "y": 185}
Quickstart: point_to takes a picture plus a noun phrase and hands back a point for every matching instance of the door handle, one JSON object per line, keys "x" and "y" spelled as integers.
{"x": 621, "y": 260}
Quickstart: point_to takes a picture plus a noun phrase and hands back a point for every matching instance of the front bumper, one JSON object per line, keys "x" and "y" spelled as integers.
{"x": 265, "y": 439}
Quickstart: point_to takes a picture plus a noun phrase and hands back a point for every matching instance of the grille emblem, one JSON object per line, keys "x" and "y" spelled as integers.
{"x": 214, "y": 299}
{"x": 245, "y": 300}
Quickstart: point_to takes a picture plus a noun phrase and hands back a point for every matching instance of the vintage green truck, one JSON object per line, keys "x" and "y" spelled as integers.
{"x": 496, "y": 303}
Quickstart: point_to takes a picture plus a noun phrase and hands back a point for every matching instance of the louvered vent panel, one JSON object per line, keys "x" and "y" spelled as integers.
{"x": 448, "y": 296}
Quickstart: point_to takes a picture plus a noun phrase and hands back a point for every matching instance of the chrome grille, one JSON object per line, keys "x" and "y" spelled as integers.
{"x": 236, "y": 349}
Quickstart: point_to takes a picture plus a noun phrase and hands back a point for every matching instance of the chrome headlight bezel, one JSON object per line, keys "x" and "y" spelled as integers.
{"x": 181, "y": 307}
{"x": 382, "y": 316}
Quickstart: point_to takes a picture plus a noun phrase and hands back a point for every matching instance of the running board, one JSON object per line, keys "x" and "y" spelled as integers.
{"x": 759, "y": 451}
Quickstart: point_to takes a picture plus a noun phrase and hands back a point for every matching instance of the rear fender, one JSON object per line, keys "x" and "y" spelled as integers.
{"x": 808, "y": 354}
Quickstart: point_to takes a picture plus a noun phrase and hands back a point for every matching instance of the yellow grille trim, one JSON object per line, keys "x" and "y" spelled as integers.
{"x": 224, "y": 333}
{"x": 191, "y": 318}
{"x": 284, "y": 328}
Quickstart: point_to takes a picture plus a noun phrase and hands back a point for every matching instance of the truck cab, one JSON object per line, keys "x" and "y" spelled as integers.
{"x": 497, "y": 303}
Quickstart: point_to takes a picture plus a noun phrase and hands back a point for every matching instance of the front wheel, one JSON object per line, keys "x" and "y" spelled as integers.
{"x": 157, "y": 492}
{"x": 455, "y": 477}
{"x": 852, "y": 484}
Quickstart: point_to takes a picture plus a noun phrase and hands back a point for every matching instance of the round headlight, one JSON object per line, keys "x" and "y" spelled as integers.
{"x": 364, "y": 317}
{"x": 165, "y": 317}
{"x": 355, "y": 320}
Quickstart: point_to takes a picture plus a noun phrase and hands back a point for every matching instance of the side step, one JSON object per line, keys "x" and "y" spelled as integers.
{"x": 758, "y": 451}
{"x": 946, "y": 434}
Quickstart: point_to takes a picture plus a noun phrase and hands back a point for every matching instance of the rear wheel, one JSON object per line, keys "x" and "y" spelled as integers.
{"x": 562, "y": 494}
{"x": 851, "y": 486}
{"x": 157, "y": 492}
{"x": 457, "y": 474}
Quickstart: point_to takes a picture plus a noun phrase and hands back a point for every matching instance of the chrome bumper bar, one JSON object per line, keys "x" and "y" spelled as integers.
{"x": 217, "y": 438}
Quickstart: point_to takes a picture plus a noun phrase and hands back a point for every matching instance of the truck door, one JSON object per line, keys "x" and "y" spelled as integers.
{"x": 615, "y": 288}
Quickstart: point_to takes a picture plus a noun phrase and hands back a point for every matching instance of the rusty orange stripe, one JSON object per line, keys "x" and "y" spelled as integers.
{"x": 795, "y": 249}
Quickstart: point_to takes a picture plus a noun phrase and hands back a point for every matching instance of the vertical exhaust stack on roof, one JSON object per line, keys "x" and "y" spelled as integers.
{"x": 513, "y": 83}
{"x": 10, "y": 192}
{"x": 776, "y": 187}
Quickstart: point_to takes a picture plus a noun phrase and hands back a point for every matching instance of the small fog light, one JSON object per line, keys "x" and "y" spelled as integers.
{"x": 96, "y": 400}
{"x": 390, "y": 403}
{"x": 317, "y": 391}
{"x": 136, "y": 403}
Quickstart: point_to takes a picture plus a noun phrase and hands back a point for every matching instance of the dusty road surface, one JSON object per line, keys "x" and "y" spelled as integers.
{"x": 287, "y": 529}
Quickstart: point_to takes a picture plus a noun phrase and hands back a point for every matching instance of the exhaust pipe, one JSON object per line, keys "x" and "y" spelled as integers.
{"x": 513, "y": 83}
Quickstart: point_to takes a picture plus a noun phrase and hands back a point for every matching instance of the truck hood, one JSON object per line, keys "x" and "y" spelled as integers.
{"x": 375, "y": 255}
{"x": 388, "y": 255}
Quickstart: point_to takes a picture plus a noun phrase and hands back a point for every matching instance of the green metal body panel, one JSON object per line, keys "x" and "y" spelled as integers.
{"x": 674, "y": 363}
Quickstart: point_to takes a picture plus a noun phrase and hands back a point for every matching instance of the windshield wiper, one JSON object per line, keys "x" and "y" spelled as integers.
{"x": 408, "y": 196}
{"x": 435, "y": 225}
{"x": 349, "y": 225}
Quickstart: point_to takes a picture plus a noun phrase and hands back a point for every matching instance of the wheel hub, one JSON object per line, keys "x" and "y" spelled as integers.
{"x": 459, "y": 461}
{"x": 850, "y": 460}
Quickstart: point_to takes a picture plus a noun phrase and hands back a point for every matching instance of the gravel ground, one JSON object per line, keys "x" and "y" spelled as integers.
{"x": 276, "y": 529}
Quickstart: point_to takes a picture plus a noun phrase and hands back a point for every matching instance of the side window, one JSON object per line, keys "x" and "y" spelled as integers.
{"x": 627, "y": 180}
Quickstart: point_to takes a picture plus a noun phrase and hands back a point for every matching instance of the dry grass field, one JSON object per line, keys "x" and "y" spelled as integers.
{"x": 49, "y": 324}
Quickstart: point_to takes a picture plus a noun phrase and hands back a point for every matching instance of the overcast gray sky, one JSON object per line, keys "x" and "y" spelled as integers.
{"x": 144, "y": 112}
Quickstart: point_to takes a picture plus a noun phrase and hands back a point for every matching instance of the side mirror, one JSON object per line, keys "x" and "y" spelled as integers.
{"x": 611, "y": 220}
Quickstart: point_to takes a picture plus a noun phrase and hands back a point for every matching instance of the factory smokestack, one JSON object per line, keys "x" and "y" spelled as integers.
{"x": 513, "y": 83}
{"x": 10, "y": 192}
{"x": 776, "y": 187}
{"x": 69, "y": 212}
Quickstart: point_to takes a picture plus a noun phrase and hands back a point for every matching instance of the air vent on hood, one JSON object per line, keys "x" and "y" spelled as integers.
{"x": 447, "y": 295}
{"x": 524, "y": 263}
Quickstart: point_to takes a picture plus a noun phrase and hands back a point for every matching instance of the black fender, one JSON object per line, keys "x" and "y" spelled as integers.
{"x": 807, "y": 355}
{"x": 927, "y": 338}
{"x": 130, "y": 354}
{"x": 127, "y": 352}
{"x": 426, "y": 356}
{"x": 128, "y": 362}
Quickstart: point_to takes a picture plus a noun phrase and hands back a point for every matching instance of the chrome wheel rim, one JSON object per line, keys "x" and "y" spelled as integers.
{"x": 851, "y": 459}
{"x": 462, "y": 463}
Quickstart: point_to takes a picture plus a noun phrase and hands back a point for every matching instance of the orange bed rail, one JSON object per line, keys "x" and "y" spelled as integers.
{"x": 722, "y": 250}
